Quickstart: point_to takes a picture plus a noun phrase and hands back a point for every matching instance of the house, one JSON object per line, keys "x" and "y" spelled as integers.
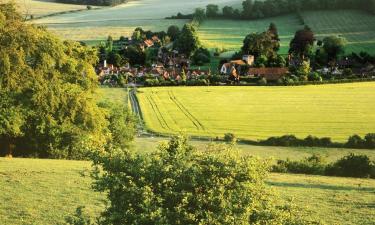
{"x": 226, "y": 68}
{"x": 269, "y": 73}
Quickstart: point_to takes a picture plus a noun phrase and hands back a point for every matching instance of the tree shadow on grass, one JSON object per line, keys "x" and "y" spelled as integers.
{"x": 322, "y": 186}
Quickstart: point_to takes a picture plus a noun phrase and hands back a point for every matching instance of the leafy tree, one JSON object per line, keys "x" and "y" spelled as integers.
{"x": 333, "y": 46}
{"x": 180, "y": 185}
{"x": 121, "y": 124}
{"x": 116, "y": 59}
{"x": 201, "y": 56}
{"x": 228, "y": 12}
{"x": 212, "y": 10}
{"x": 199, "y": 15}
{"x": 187, "y": 42}
{"x": 302, "y": 43}
{"x": 109, "y": 44}
{"x": 260, "y": 44}
{"x": 247, "y": 6}
{"x": 134, "y": 55}
{"x": 304, "y": 69}
{"x": 173, "y": 32}
{"x": 275, "y": 35}
{"x": 46, "y": 93}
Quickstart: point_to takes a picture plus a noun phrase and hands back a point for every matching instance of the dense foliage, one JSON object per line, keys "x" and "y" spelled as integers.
{"x": 47, "y": 93}
{"x": 180, "y": 185}
{"x": 255, "y": 9}
{"x": 348, "y": 166}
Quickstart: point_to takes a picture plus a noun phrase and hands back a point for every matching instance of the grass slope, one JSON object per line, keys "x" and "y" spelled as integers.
{"x": 336, "y": 111}
{"x": 36, "y": 191}
{"x": 39, "y": 8}
{"x": 356, "y": 26}
{"x": 123, "y": 19}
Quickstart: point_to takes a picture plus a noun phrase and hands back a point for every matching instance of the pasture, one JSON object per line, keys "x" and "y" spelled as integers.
{"x": 123, "y": 19}
{"x": 42, "y": 191}
{"x": 356, "y": 26}
{"x": 39, "y": 8}
{"x": 335, "y": 111}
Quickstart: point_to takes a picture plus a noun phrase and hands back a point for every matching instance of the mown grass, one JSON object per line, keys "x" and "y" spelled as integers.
{"x": 40, "y": 191}
{"x": 356, "y": 26}
{"x": 335, "y": 111}
{"x": 123, "y": 19}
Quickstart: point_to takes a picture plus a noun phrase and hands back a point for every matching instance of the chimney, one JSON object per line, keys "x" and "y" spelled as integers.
{"x": 105, "y": 64}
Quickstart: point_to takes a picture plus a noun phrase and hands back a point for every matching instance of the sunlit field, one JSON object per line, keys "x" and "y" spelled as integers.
{"x": 39, "y": 8}
{"x": 335, "y": 111}
{"x": 356, "y": 26}
{"x": 123, "y": 19}
{"x": 42, "y": 191}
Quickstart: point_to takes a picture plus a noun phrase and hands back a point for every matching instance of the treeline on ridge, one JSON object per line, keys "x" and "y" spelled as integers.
{"x": 268, "y": 8}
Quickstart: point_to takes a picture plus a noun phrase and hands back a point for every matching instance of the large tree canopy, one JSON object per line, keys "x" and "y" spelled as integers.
{"x": 47, "y": 87}
{"x": 187, "y": 42}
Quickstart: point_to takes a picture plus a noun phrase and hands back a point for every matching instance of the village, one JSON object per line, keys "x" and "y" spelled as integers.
{"x": 158, "y": 63}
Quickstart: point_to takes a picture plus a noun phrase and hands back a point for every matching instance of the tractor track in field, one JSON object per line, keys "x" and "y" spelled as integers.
{"x": 186, "y": 112}
{"x": 159, "y": 115}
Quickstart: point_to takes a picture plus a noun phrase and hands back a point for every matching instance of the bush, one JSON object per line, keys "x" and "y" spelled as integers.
{"x": 370, "y": 141}
{"x": 151, "y": 82}
{"x": 310, "y": 165}
{"x": 181, "y": 185}
{"x": 230, "y": 138}
{"x": 286, "y": 140}
{"x": 355, "y": 141}
{"x": 262, "y": 81}
{"x": 314, "y": 76}
{"x": 199, "y": 82}
{"x": 352, "y": 166}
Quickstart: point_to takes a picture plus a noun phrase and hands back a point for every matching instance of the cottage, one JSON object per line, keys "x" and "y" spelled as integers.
{"x": 269, "y": 73}
{"x": 226, "y": 68}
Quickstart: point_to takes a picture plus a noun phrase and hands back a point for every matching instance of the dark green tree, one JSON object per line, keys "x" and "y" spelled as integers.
{"x": 187, "y": 42}
{"x": 212, "y": 10}
{"x": 173, "y": 32}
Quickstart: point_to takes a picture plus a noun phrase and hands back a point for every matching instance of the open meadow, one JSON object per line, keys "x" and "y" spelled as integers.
{"x": 356, "y": 26}
{"x": 335, "y": 111}
{"x": 39, "y": 8}
{"x": 123, "y": 19}
{"x": 42, "y": 191}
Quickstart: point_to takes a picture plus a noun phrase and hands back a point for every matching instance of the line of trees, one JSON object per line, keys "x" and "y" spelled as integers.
{"x": 260, "y": 9}
{"x": 350, "y": 165}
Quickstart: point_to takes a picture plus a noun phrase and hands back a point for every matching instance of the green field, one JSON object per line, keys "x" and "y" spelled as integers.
{"x": 45, "y": 7}
{"x": 336, "y": 111}
{"x": 40, "y": 191}
{"x": 357, "y": 27}
{"x": 123, "y": 19}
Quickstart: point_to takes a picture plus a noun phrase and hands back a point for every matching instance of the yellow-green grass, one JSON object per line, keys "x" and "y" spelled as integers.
{"x": 114, "y": 95}
{"x": 147, "y": 144}
{"x": 40, "y": 191}
{"x": 356, "y": 26}
{"x": 123, "y": 19}
{"x": 39, "y": 8}
{"x": 335, "y": 110}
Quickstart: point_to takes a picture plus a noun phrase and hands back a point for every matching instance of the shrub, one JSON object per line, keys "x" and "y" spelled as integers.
{"x": 262, "y": 81}
{"x": 230, "y": 138}
{"x": 180, "y": 185}
{"x": 151, "y": 82}
{"x": 310, "y": 165}
{"x": 370, "y": 141}
{"x": 199, "y": 82}
{"x": 352, "y": 166}
{"x": 355, "y": 141}
{"x": 286, "y": 140}
{"x": 314, "y": 76}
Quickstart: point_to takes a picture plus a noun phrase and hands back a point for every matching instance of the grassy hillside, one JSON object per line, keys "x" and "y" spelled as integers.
{"x": 123, "y": 19}
{"x": 40, "y": 8}
{"x": 229, "y": 34}
{"x": 336, "y": 111}
{"x": 356, "y": 26}
{"x": 37, "y": 191}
